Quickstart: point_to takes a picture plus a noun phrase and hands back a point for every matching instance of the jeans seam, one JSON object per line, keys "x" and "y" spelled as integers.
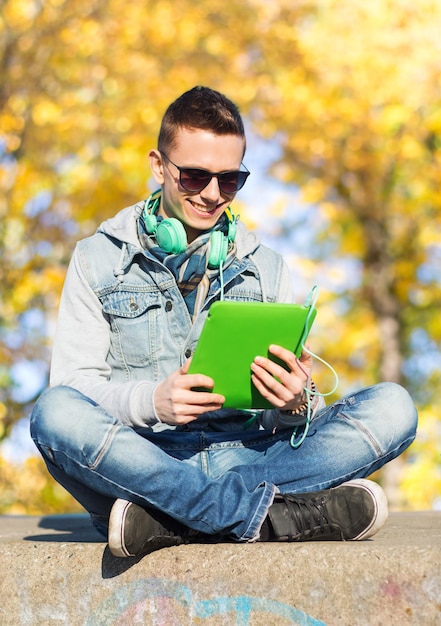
{"x": 105, "y": 446}
{"x": 365, "y": 431}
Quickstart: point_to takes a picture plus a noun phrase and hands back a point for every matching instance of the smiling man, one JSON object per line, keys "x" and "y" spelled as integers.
{"x": 123, "y": 428}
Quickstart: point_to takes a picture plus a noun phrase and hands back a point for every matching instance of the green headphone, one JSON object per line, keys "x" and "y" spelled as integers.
{"x": 171, "y": 236}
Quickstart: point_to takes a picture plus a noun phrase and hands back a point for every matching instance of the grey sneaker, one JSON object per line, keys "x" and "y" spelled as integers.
{"x": 352, "y": 511}
{"x": 134, "y": 531}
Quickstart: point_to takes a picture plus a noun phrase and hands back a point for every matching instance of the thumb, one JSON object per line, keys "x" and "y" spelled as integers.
{"x": 184, "y": 368}
{"x": 306, "y": 357}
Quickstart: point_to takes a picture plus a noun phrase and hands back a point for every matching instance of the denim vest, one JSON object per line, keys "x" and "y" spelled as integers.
{"x": 151, "y": 331}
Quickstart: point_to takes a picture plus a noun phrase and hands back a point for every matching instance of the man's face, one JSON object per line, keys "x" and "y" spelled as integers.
{"x": 200, "y": 149}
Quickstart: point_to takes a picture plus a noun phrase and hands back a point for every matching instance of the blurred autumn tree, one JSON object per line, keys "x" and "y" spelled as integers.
{"x": 350, "y": 92}
{"x": 359, "y": 122}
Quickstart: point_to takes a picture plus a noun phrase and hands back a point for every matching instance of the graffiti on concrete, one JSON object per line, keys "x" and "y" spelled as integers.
{"x": 165, "y": 602}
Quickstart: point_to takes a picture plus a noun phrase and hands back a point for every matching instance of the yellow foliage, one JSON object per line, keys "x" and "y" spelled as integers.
{"x": 313, "y": 190}
{"x": 421, "y": 479}
{"x": 28, "y": 489}
{"x": 45, "y": 112}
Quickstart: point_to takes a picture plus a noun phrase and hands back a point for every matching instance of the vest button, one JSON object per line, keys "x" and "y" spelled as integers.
{"x": 168, "y": 306}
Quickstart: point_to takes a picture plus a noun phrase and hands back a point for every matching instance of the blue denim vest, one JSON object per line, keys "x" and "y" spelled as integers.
{"x": 151, "y": 331}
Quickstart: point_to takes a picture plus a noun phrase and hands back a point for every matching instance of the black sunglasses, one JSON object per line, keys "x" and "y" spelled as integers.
{"x": 195, "y": 180}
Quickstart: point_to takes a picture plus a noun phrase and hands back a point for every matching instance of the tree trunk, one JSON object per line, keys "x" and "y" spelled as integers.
{"x": 380, "y": 293}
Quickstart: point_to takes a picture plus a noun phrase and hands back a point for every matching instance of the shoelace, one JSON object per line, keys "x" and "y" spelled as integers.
{"x": 168, "y": 528}
{"x": 306, "y": 515}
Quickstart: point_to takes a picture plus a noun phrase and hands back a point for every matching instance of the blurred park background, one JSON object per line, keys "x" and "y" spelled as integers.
{"x": 342, "y": 102}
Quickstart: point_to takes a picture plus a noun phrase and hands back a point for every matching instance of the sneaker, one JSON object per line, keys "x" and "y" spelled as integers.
{"x": 352, "y": 511}
{"x": 134, "y": 531}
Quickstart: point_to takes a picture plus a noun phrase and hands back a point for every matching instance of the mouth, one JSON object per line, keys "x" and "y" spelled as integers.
{"x": 203, "y": 209}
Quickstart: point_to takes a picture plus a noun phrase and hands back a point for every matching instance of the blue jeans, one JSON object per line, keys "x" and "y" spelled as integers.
{"x": 215, "y": 482}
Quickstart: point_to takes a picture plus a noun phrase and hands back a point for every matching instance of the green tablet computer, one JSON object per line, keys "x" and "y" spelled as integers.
{"x": 234, "y": 333}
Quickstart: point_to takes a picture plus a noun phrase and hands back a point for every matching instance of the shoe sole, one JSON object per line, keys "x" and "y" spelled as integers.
{"x": 381, "y": 506}
{"x": 116, "y": 525}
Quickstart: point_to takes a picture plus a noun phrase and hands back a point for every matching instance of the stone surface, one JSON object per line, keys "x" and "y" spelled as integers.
{"x": 56, "y": 570}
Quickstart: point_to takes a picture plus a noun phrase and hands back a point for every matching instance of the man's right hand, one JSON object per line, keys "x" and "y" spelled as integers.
{"x": 175, "y": 401}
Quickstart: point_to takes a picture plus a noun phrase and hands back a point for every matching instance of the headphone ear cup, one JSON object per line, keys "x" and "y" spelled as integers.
{"x": 218, "y": 249}
{"x": 151, "y": 223}
{"x": 151, "y": 205}
{"x": 171, "y": 236}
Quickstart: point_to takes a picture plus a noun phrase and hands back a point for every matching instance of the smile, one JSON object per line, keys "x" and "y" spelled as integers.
{"x": 201, "y": 208}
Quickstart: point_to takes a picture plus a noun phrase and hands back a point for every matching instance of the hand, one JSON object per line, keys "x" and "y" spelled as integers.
{"x": 175, "y": 401}
{"x": 286, "y": 393}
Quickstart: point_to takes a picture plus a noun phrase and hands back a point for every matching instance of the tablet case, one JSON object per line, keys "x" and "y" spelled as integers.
{"x": 236, "y": 332}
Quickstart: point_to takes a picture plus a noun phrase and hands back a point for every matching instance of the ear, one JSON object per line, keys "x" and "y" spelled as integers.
{"x": 157, "y": 166}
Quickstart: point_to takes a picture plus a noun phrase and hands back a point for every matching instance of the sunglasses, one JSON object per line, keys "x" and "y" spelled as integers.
{"x": 194, "y": 180}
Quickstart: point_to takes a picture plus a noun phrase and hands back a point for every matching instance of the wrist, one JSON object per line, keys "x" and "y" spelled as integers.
{"x": 303, "y": 406}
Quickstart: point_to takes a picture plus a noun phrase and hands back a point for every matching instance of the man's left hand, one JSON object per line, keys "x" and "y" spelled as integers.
{"x": 282, "y": 388}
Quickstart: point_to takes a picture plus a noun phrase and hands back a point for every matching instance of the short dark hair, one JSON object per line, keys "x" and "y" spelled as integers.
{"x": 200, "y": 108}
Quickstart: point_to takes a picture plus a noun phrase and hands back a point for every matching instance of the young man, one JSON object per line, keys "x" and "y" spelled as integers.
{"x": 155, "y": 462}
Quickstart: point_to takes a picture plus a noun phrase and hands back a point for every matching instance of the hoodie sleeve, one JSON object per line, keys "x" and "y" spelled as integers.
{"x": 80, "y": 349}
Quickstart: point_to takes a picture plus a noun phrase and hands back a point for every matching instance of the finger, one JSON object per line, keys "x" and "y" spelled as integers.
{"x": 306, "y": 358}
{"x": 280, "y": 391}
{"x": 269, "y": 395}
{"x": 184, "y": 368}
{"x": 194, "y": 389}
{"x": 268, "y": 372}
{"x": 294, "y": 364}
{"x": 272, "y": 389}
{"x": 305, "y": 367}
{"x": 287, "y": 356}
{"x": 205, "y": 399}
{"x": 291, "y": 378}
{"x": 198, "y": 381}
{"x": 183, "y": 411}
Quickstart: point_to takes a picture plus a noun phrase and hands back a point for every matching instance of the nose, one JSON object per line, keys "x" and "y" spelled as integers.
{"x": 212, "y": 191}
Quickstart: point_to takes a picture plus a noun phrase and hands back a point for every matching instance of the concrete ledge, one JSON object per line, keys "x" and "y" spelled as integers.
{"x": 55, "y": 570}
